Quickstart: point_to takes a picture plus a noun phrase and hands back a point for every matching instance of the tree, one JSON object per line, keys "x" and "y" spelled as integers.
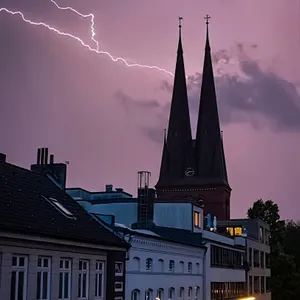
{"x": 285, "y": 261}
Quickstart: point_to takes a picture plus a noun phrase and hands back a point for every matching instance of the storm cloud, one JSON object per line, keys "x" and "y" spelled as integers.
{"x": 251, "y": 95}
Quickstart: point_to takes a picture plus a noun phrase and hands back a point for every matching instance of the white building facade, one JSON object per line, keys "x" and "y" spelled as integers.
{"x": 159, "y": 269}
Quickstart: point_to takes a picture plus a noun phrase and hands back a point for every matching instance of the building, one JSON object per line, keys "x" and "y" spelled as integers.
{"x": 179, "y": 227}
{"x": 50, "y": 247}
{"x": 258, "y": 253}
{"x": 195, "y": 168}
{"x": 163, "y": 264}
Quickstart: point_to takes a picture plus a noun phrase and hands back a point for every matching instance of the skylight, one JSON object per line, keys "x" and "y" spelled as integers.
{"x": 60, "y": 207}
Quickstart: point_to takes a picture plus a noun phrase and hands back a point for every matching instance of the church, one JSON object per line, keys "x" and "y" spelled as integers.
{"x": 195, "y": 169}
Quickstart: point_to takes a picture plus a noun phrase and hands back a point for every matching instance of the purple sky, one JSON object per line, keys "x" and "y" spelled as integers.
{"x": 108, "y": 119}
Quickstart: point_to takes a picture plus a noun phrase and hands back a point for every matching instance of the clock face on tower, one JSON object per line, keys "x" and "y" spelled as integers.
{"x": 189, "y": 172}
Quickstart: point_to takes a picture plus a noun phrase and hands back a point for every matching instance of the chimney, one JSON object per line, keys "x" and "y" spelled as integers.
{"x": 2, "y": 157}
{"x": 109, "y": 188}
{"x": 146, "y": 198}
{"x": 57, "y": 172}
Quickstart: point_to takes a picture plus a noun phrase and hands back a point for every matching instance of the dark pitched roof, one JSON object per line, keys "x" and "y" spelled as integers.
{"x": 25, "y": 208}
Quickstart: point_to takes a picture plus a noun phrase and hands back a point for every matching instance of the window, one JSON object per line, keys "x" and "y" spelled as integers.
{"x": 60, "y": 207}
{"x": 262, "y": 284}
{"x": 268, "y": 284}
{"x": 148, "y": 294}
{"x": 227, "y": 290}
{"x": 171, "y": 265}
{"x": 119, "y": 286}
{"x": 256, "y": 284}
{"x": 18, "y": 277}
{"x": 160, "y": 294}
{"x": 197, "y": 219}
{"x": 256, "y": 258}
{"x": 149, "y": 264}
{"x": 261, "y": 234}
{"x": 171, "y": 293}
{"x": 190, "y": 293}
{"x": 136, "y": 264}
{"x": 197, "y": 268}
{"x": 43, "y": 278}
{"x": 181, "y": 267}
{"x": 99, "y": 280}
{"x": 262, "y": 259}
{"x": 83, "y": 279}
{"x": 250, "y": 284}
{"x": 238, "y": 231}
{"x": 119, "y": 268}
{"x": 181, "y": 293}
{"x": 65, "y": 279}
{"x": 197, "y": 292}
{"x": 135, "y": 295}
{"x": 250, "y": 257}
{"x": 229, "y": 230}
{"x": 160, "y": 265}
{"x": 226, "y": 258}
{"x": 190, "y": 267}
{"x": 268, "y": 261}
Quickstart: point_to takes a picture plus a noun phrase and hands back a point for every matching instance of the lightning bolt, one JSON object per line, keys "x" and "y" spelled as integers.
{"x": 93, "y": 34}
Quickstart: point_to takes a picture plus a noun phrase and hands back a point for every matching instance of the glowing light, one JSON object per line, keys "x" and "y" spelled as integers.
{"x": 93, "y": 34}
{"x": 247, "y": 298}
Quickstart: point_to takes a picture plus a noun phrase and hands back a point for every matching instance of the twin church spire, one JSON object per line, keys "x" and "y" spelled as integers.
{"x": 187, "y": 164}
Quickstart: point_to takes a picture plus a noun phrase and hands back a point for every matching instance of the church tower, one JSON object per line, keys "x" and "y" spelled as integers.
{"x": 195, "y": 170}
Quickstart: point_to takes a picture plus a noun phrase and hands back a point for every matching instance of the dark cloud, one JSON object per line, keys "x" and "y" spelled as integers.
{"x": 258, "y": 97}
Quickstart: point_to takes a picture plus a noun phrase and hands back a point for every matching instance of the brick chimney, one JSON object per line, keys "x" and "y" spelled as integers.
{"x": 57, "y": 172}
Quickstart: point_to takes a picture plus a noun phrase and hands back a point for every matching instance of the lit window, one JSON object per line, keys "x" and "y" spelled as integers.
{"x": 43, "y": 278}
{"x": 99, "y": 280}
{"x": 83, "y": 279}
{"x": 149, "y": 264}
{"x": 18, "y": 277}
{"x": 171, "y": 265}
{"x": 238, "y": 231}
{"x": 229, "y": 230}
{"x": 197, "y": 219}
{"x": 65, "y": 279}
{"x": 190, "y": 267}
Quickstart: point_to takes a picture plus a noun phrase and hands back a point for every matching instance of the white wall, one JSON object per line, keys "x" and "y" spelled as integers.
{"x": 157, "y": 278}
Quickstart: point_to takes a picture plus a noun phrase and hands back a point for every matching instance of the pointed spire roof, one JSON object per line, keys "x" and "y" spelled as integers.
{"x": 209, "y": 145}
{"x": 179, "y": 129}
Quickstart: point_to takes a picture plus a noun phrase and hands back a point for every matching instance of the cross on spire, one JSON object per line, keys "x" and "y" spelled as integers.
{"x": 207, "y": 19}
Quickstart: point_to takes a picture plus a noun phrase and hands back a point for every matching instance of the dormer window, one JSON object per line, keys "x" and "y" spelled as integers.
{"x": 60, "y": 207}
{"x": 197, "y": 220}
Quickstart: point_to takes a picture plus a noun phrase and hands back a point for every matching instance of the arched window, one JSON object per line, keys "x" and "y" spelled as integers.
{"x": 136, "y": 263}
{"x": 190, "y": 267}
{"x": 135, "y": 295}
{"x": 160, "y": 294}
{"x": 160, "y": 265}
{"x": 190, "y": 293}
{"x": 171, "y": 265}
{"x": 181, "y": 267}
{"x": 181, "y": 293}
{"x": 149, "y": 264}
{"x": 197, "y": 268}
{"x": 197, "y": 292}
{"x": 171, "y": 293}
{"x": 148, "y": 294}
